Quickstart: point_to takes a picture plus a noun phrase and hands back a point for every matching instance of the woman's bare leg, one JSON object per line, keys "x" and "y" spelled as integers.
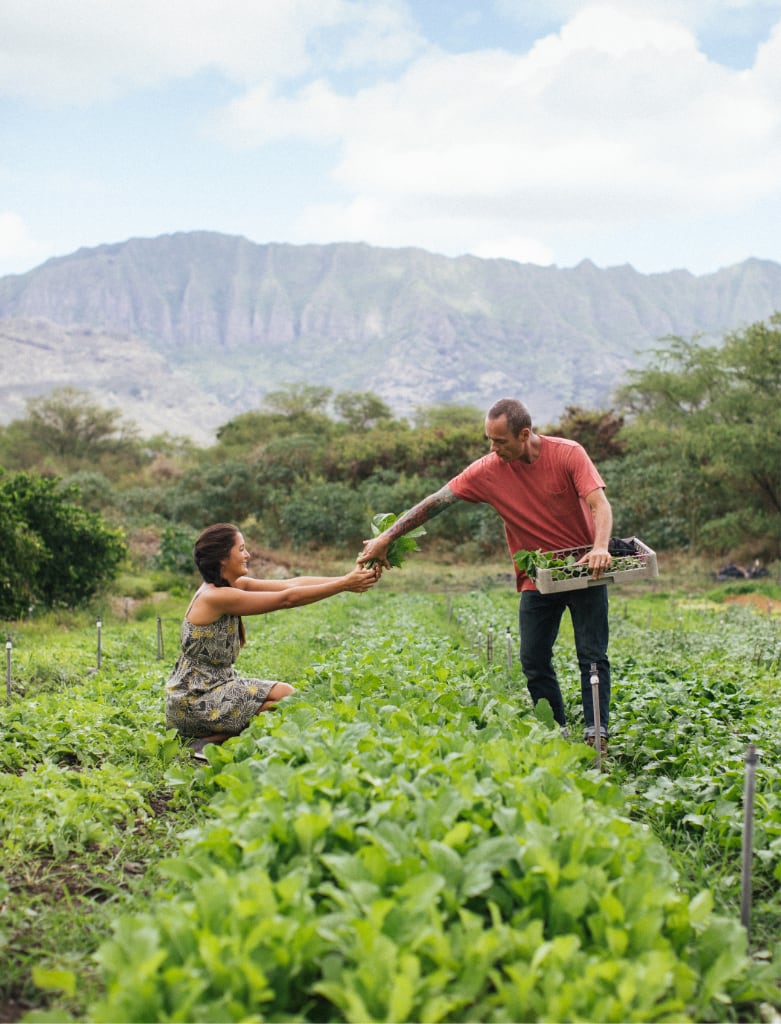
{"x": 277, "y": 692}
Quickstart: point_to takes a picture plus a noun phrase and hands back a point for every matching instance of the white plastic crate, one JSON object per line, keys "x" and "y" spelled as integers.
{"x": 578, "y": 577}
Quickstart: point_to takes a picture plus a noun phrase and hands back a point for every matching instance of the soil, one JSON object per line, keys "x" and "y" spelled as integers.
{"x": 53, "y": 881}
{"x": 768, "y": 605}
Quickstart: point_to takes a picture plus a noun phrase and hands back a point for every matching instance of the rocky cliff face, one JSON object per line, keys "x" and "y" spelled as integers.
{"x": 185, "y": 331}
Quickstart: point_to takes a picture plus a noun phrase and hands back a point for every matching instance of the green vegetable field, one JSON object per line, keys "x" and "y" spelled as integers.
{"x": 405, "y": 839}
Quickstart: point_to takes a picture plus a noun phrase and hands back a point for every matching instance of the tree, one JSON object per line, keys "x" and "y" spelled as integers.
{"x": 65, "y": 431}
{"x": 223, "y": 493}
{"x": 361, "y": 409}
{"x": 598, "y": 432}
{"x": 323, "y": 513}
{"x": 20, "y": 555}
{"x": 59, "y": 553}
{"x": 450, "y": 416}
{"x": 250, "y": 429}
{"x": 299, "y": 401}
{"x": 176, "y": 550}
{"x": 67, "y": 423}
{"x": 712, "y": 416}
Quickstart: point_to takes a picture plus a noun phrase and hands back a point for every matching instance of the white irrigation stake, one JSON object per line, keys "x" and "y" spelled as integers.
{"x": 8, "y": 647}
{"x": 597, "y": 723}
{"x": 748, "y": 825}
{"x": 100, "y": 626}
{"x": 509, "y": 651}
{"x": 490, "y": 645}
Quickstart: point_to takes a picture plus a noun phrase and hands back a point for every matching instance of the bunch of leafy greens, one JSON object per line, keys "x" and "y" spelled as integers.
{"x": 530, "y": 561}
{"x": 401, "y": 546}
{"x": 566, "y": 567}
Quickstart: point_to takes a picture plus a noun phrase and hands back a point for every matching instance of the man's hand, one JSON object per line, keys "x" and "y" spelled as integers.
{"x": 598, "y": 560}
{"x": 375, "y": 550}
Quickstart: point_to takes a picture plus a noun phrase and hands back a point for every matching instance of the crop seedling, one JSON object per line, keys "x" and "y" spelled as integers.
{"x": 529, "y": 562}
{"x": 401, "y": 546}
{"x": 406, "y": 840}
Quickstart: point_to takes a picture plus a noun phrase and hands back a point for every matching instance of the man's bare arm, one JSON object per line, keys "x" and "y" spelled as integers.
{"x": 377, "y": 547}
{"x": 598, "y": 557}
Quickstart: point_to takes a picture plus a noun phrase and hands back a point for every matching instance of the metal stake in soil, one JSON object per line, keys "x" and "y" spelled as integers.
{"x": 159, "y": 638}
{"x": 597, "y": 723}
{"x": 100, "y": 626}
{"x": 748, "y": 827}
{"x": 8, "y": 646}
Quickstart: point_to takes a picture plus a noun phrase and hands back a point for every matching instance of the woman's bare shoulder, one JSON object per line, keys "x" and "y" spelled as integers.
{"x": 204, "y": 609}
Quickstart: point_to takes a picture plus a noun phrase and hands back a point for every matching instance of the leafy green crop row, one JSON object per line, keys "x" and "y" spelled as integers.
{"x": 404, "y": 839}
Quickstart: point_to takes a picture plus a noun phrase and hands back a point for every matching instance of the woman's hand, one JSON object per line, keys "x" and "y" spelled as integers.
{"x": 361, "y": 578}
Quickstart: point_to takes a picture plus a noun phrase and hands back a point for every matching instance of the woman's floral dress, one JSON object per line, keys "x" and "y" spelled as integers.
{"x": 203, "y": 693}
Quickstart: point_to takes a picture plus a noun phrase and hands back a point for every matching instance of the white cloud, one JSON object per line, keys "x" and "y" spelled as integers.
{"x": 615, "y": 125}
{"x": 260, "y": 116}
{"x": 18, "y": 247}
{"x": 616, "y": 119}
{"x": 84, "y": 51}
{"x": 514, "y": 247}
{"x": 733, "y": 15}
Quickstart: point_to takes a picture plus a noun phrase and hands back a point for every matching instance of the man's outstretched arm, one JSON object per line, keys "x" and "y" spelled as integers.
{"x": 377, "y": 547}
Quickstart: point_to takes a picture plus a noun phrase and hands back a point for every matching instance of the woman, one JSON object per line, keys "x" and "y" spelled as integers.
{"x": 205, "y": 699}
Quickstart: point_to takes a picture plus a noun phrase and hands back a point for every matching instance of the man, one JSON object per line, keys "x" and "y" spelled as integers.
{"x": 550, "y": 496}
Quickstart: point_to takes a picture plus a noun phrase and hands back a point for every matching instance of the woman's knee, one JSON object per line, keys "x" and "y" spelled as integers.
{"x": 280, "y": 690}
{"x": 277, "y": 693}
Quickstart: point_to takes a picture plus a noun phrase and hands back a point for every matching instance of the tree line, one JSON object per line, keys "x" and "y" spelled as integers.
{"x": 691, "y": 454}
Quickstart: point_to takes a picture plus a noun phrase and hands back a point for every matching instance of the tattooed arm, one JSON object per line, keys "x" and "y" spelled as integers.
{"x": 377, "y": 547}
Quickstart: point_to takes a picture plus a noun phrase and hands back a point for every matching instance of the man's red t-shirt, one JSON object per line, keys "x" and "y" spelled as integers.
{"x": 542, "y": 502}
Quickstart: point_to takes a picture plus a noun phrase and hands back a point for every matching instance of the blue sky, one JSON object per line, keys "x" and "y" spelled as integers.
{"x": 622, "y": 131}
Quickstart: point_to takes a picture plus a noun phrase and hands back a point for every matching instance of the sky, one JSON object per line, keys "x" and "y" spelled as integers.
{"x": 641, "y": 132}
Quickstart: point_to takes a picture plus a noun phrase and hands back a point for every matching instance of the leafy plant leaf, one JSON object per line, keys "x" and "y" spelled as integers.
{"x": 401, "y": 546}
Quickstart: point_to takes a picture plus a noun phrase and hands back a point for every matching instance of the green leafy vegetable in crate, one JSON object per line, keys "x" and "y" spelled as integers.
{"x": 565, "y": 568}
{"x": 401, "y": 546}
{"x": 622, "y": 564}
{"x": 530, "y": 561}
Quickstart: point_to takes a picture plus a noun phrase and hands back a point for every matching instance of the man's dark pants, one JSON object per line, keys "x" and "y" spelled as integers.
{"x": 539, "y": 620}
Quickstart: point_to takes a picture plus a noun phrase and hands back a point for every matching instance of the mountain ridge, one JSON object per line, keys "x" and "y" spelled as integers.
{"x": 187, "y": 330}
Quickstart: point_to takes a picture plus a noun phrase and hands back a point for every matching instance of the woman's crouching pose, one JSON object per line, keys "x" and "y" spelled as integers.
{"x": 206, "y": 701}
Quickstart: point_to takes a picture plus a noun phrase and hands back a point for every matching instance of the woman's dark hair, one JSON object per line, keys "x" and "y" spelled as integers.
{"x": 518, "y": 416}
{"x": 211, "y": 549}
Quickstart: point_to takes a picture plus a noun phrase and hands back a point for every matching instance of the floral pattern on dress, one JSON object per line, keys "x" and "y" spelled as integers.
{"x": 204, "y": 695}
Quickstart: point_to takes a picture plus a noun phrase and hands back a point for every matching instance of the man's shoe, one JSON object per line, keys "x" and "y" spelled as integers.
{"x": 602, "y": 743}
